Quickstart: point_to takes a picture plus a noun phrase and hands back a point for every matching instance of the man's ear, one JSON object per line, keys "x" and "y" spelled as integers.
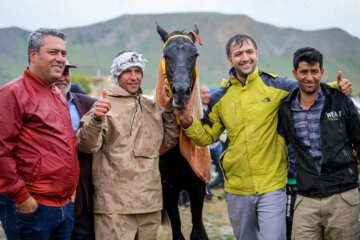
{"x": 32, "y": 55}
{"x": 230, "y": 62}
{"x": 294, "y": 73}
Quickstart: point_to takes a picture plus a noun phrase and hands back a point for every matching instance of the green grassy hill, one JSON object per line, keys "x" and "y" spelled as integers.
{"x": 94, "y": 47}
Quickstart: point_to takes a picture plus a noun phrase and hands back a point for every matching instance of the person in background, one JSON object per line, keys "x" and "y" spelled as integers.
{"x": 77, "y": 88}
{"x": 124, "y": 131}
{"x": 323, "y": 127}
{"x": 79, "y": 104}
{"x": 38, "y": 149}
{"x": 254, "y": 161}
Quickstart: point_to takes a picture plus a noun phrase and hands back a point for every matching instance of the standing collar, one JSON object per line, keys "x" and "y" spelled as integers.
{"x": 232, "y": 74}
{"x": 37, "y": 79}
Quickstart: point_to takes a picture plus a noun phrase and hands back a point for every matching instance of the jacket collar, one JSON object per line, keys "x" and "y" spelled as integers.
{"x": 37, "y": 79}
{"x": 117, "y": 91}
{"x": 234, "y": 80}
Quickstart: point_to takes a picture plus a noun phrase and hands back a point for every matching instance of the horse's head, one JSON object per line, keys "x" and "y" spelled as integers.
{"x": 180, "y": 56}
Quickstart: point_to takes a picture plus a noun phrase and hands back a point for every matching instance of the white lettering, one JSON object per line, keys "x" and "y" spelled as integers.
{"x": 332, "y": 114}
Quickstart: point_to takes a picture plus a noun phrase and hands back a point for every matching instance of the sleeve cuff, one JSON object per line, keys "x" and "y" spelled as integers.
{"x": 22, "y": 195}
{"x": 185, "y": 126}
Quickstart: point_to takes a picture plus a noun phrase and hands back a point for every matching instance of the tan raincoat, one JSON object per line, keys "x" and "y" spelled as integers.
{"x": 125, "y": 149}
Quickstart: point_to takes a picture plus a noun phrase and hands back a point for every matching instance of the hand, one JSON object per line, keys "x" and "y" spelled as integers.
{"x": 184, "y": 115}
{"x": 28, "y": 206}
{"x": 167, "y": 100}
{"x": 73, "y": 197}
{"x": 102, "y": 106}
{"x": 344, "y": 84}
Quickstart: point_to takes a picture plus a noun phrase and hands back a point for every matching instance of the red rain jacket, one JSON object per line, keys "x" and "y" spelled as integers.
{"x": 38, "y": 148}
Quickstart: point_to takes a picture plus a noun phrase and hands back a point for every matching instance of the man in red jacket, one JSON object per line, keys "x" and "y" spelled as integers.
{"x": 38, "y": 149}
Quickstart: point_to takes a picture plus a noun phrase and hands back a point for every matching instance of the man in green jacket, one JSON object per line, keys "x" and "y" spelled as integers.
{"x": 255, "y": 160}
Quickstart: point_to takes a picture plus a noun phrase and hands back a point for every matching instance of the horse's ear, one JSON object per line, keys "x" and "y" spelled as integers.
{"x": 196, "y": 30}
{"x": 162, "y": 32}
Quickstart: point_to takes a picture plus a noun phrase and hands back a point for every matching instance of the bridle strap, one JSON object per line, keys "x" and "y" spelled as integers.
{"x": 175, "y": 36}
{"x": 196, "y": 37}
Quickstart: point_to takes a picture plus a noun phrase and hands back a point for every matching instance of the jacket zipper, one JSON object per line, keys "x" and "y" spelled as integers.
{"x": 57, "y": 102}
{"x": 136, "y": 107}
{"x": 233, "y": 112}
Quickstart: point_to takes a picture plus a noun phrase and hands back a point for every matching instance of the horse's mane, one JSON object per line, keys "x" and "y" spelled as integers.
{"x": 178, "y": 32}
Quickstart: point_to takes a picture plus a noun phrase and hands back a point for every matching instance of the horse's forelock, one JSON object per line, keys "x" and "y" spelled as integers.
{"x": 178, "y": 32}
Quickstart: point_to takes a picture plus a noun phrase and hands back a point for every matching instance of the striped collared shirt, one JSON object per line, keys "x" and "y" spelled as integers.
{"x": 307, "y": 127}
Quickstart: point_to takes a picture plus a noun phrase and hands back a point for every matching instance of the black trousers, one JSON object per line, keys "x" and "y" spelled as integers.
{"x": 84, "y": 224}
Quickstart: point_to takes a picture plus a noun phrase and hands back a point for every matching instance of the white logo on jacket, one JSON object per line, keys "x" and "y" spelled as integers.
{"x": 333, "y": 115}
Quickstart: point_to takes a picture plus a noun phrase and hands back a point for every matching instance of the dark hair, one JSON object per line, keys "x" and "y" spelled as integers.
{"x": 309, "y": 55}
{"x": 238, "y": 39}
{"x": 35, "y": 40}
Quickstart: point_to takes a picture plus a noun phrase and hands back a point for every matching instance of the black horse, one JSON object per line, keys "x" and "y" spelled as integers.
{"x": 180, "y": 56}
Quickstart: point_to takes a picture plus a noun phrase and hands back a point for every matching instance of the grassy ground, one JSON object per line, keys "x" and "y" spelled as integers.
{"x": 215, "y": 218}
{"x": 2, "y": 234}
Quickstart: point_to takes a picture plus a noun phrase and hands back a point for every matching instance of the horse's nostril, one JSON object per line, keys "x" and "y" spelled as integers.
{"x": 188, "y": 91}
{"x": 173, "y": 90}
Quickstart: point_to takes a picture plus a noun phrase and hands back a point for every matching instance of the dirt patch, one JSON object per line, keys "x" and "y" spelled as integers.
{"x": 215, "y": 218}
{"x": 2, "y": 234}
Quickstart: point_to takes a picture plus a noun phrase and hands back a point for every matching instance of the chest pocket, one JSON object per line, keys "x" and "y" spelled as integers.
{"x": 147, "y": 140}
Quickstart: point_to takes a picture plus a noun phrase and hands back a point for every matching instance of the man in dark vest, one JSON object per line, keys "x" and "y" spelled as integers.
{"x": 79, "y": 104}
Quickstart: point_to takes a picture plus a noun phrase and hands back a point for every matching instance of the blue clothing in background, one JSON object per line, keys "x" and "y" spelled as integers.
{"x": 74, "y": 114}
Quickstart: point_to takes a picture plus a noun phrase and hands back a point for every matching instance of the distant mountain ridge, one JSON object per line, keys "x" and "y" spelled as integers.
{"x": 92, "y": 48}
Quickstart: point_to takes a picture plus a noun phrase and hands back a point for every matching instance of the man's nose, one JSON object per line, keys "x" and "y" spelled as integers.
{"x": 61, "y": 58}
{"x": 309, "y": 77}
{"x": 133, "y": 75}
{"x": 245, "y": 57}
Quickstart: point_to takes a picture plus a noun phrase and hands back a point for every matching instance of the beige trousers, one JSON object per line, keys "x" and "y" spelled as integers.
{"x": 127, "y": 226}
{"x": 330, "y": 218}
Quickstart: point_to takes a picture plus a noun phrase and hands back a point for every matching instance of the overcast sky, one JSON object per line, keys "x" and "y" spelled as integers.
{"x": 300, "y": 14}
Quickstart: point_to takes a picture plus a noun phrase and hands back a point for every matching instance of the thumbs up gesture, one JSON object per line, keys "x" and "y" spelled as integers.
{"x": 102, "y": 106}
{"x": 344, "y": 84}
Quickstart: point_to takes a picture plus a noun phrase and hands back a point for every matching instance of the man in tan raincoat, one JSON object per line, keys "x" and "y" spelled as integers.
{"x": 124, "y": 131}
